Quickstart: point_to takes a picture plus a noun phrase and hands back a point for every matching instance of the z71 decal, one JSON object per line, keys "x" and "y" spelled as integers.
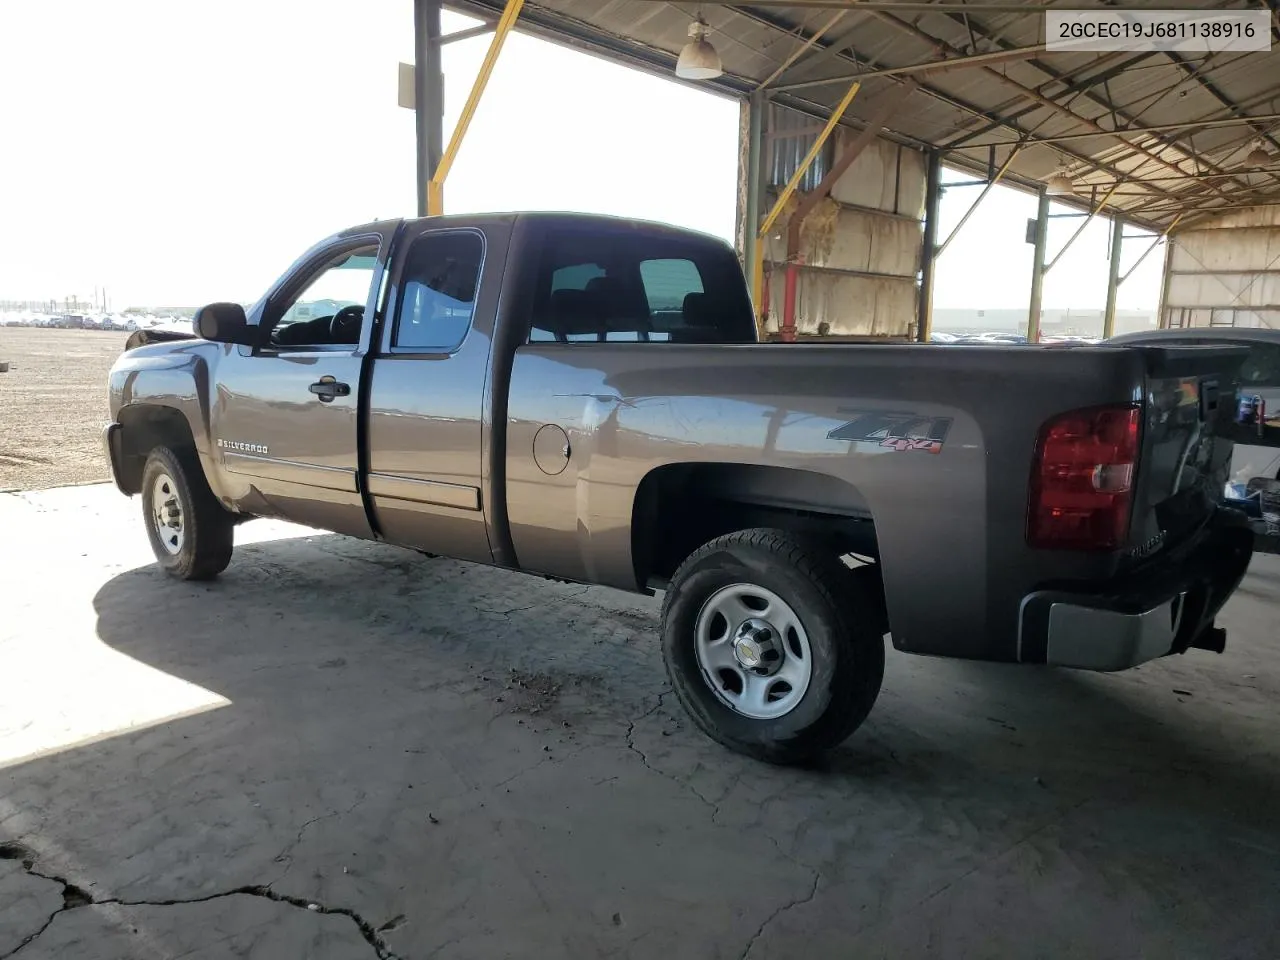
{"x": 894, "y": 430}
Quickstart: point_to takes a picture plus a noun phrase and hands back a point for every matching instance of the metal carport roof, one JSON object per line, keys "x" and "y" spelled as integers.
{"x": 1165, "y": 133}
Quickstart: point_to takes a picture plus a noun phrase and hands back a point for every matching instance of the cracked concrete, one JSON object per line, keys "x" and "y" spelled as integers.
{"x": 75, "y": 897}
{"x": 768, "y": 921}
{"x": 457, "y": 762}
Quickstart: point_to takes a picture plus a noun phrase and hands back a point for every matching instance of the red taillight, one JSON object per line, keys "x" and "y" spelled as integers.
{"x": 1082, "y": 479}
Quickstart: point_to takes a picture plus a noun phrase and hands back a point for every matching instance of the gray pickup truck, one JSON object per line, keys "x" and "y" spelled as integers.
{"x": 584, "y": 398}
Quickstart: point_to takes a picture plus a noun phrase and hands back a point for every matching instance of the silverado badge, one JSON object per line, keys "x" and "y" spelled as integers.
{"x": 241, "y": 447}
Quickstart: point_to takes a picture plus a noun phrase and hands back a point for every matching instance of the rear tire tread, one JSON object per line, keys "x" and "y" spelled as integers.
{"x": 856, "y": 614}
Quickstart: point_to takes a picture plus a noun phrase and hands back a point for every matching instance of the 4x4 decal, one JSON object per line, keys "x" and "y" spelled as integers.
{"x": 896, "y": 430}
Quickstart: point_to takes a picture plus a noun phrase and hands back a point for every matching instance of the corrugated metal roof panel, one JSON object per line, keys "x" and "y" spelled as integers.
{"x": 755, "y": 41}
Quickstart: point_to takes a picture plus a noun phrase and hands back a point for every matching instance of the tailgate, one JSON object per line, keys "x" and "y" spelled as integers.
{"x": 1186, "y": 447}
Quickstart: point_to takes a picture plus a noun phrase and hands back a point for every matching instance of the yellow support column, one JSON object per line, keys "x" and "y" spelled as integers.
{"x": 757, "y": 269}
{"x": 435, "y": 189}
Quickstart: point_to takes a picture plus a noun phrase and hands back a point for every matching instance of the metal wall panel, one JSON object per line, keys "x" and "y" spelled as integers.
{"x": 861, "y": 246}
{"x": 1204, "y": 317}
{"x": 1226, "y": 290}
{"x": 885, "y": 177}
{"x": 1249, "y": 217}
{"x": 1232, "y": 250}
{"x": 1225, "y": 272}
{"x": 875, "y": 244}
{"x": 849, "y": 305}
{"x": 788, "y": 145}
{"x": 865, "y": 242}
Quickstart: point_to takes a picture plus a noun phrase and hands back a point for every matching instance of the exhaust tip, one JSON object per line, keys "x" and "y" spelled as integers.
{"x": 1214, "y": 639}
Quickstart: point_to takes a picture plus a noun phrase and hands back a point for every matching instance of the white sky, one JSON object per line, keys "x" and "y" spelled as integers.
{"x": 177, "y": 153}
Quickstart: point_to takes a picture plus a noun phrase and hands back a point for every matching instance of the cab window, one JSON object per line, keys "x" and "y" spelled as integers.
{"x": 329, "y": 308}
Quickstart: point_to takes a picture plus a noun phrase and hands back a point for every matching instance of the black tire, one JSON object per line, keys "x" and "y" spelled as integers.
{"x": 842, "y": 618}
{"x": 203, "y": 549}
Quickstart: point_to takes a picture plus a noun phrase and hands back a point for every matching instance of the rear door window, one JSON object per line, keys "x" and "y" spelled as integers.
{"x": 438, "y": 292}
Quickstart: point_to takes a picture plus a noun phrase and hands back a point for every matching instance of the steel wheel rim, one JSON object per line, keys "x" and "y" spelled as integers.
{"x": 167, "y": 514}
{"x": 737, "y": 634}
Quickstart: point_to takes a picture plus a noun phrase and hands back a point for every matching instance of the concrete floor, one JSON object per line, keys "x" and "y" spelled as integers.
{"x": 345, "y": 750}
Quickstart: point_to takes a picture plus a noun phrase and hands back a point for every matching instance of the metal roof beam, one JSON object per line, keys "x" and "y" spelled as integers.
{"x": 943, "y": 47}
{"x": 578, "y": 35}
{"x": 928, "y": 66}
{"x": 1192, "y": 127}
{"x": 797, "y": 54}
{"x": 468, "y": 33}
{"x": 766, "y": 19}
{"x": 954, "y": 6}
{"x": 1250, "y": 199}
{"x": 1214, "y": 91}
{"x": 1065, "y": 92}
{"x": 1054, "y": 75}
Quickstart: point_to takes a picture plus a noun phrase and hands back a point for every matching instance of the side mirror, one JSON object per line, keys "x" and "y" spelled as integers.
{"x": 225, "y": 323}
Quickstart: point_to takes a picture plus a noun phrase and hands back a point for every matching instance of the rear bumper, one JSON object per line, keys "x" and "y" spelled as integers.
{"x": 1163, "y": 610}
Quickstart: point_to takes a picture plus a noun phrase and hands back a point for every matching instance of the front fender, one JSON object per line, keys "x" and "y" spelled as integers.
{"x": 161, "y": 394}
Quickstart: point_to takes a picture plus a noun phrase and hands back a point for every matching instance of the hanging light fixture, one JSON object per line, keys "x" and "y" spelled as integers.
{"x": 1060, "y": 184}
{"x": 1258, "y": 156}
{"x": 698, "y": 60}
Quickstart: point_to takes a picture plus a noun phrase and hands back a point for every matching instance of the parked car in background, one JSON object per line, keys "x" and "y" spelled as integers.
{"x": 1070, "y": 339}
{"x": 992, "y": 340}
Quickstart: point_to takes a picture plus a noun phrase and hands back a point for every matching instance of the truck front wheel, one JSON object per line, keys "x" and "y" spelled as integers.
{"x": 191, "y": 534}
{"x": 772, "y": 645}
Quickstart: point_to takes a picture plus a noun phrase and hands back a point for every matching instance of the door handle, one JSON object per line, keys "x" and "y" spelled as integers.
{"x": 326, "y": 388}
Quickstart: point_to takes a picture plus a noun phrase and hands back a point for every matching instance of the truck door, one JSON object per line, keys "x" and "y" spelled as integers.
{"x": 286, "y": 413}
{"x": 426, "y": 398}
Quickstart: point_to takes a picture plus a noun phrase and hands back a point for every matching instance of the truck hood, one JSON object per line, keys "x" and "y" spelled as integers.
{"x": 142, "y": 338}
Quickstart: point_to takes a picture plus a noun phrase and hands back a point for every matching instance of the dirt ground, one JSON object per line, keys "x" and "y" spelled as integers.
{"x": 53, "y": 403}
{"x": 344, "y": 750}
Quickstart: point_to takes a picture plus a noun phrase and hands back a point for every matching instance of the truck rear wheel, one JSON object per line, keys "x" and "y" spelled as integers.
{"x": 191, "y": 534}
{"x": 772, "y": 645}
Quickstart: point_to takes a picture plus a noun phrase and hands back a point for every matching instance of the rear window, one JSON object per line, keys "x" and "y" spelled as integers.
{"x": 628, "y": 287}
{"x": 1260, "y": 369}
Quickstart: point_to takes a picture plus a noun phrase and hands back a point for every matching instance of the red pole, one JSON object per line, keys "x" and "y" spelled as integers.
{"x": 787, "y": 330}
{"x": 764, "y": 305}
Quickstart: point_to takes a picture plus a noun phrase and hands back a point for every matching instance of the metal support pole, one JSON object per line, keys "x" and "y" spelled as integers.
{"x": 928, "y": 249}
{"x": 818, "y": 143}
{"x": 1037, "y": 268}
{"x": 787, "y": 329}
{"x": 1154, "y": 243}
{"x": 1113, "y": 278}
{"x": 1080, "y": 229}
{"x": 755, "y": 108}
{"x": 1162, "y": 318}
{"x": 797, "y": 54}
{"x": 1013, "y": 154}
{"x": 468, "y": 33}
{"x": 787, "y": 191}
{"x": 435, "y": 189}
{"x": 428, "y": 94}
